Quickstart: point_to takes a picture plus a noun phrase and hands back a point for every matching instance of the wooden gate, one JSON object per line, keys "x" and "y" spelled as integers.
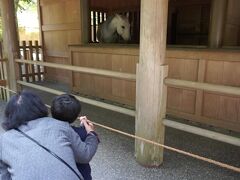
{"x": 31, "y": 52}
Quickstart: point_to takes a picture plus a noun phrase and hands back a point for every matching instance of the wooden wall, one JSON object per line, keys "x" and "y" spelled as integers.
{"x": 215, "y": 67}
{"x": 61, "y": 26}
{"x": 118, "y": 58}
{"x": 112, "y": 5}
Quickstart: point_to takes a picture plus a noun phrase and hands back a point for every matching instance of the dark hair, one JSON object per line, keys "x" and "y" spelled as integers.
{"x": 23, "y": 107}
{"x": 65, "y": 108}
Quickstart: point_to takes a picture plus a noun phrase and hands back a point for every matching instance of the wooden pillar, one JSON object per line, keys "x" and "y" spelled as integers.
{"x": 217, "y": 21}
{"x": 151, "y": 91}
{"x": 10, "y": 39}
{"x": 85, "y": 21}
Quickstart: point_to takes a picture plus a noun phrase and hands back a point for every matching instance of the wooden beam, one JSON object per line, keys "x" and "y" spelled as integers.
{"x": 117, "y": 49}
{"x": 217, "y": 21}
{"x": 202, "y": 132}
{"x": 230, "y": 90}
{"x": 82, "y": 99}
{"x": 61, "y": 27}
{"x": 62, "y": 54}
{"x": 86, "y": 70}
{"x": 10, "y": 39}
{"x": 151, "y": 91}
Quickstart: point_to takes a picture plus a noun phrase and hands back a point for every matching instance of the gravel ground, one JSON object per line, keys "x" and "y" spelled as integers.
{"x": 115, "y": 160}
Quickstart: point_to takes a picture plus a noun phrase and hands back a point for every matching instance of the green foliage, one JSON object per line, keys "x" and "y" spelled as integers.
{"x": 22, "y": 5}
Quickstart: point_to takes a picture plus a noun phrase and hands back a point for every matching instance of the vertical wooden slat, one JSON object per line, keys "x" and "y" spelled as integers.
{"x": 91, "y": 25}
{"x": 98, "y": 23}
{"x": 37, "y": 59}
{"x": 105, "y": 16}
{"x": 4, "y": 77}
{"x": 94, "y": 27}
{"x": 199, "y": 95}
{"x": 25, "y": 58}
{"x": 2, "y": 71}
{"x": 20, "y": 65}
{"x": 100, "y": 17}
{"x": 31, "y": 59}
{"x": 7, "y": 93}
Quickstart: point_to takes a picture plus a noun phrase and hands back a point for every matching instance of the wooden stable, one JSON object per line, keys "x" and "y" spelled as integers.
{"x": 137, "y": 75}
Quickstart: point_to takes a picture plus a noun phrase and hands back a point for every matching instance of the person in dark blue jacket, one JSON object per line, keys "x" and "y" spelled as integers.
{"x": 67, "y": 108}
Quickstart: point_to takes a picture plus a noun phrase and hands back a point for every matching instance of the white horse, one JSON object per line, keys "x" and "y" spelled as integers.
{"x": 115, "y": 29}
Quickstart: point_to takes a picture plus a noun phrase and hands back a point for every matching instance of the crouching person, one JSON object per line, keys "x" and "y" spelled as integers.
{"x": 67, "y": 108}
{"x": 38, "y": 147}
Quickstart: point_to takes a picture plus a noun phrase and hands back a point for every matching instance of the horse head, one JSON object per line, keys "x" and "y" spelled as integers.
{"x": 122, "y": 26}
{"x": 115, "y": 29}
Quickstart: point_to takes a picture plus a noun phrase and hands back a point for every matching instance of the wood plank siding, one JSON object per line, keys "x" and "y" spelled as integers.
{"x": 62, "y": 39}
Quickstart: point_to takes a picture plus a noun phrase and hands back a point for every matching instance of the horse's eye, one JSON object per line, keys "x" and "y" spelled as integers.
{"x": 123, "y": 27}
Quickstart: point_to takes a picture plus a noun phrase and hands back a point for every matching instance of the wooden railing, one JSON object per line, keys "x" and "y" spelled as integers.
{"x": 31, "y": 52}
{"x": 170, "y": 82}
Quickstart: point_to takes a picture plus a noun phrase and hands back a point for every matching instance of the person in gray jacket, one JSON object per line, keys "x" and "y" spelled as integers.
{"x": 23, "y": 159}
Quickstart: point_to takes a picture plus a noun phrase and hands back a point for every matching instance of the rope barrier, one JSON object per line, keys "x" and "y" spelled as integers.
{"x": 172, "y": 149}
{"x": 211, "y": 161}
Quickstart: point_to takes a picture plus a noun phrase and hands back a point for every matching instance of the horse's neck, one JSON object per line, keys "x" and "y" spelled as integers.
{"x": 112, "y": 27}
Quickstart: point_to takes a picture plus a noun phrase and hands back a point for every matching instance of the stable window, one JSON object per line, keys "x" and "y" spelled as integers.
{"x": 188, "y": 21}
{"x": 100, "y": 10}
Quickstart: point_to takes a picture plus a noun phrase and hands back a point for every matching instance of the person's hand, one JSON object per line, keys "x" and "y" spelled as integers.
{"x": 87, "y": 124}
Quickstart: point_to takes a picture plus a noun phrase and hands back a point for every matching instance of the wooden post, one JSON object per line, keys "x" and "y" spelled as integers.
{"x": 217, "y": 21}
{"x": 10, "y": 39}
{"x": 26, "y": 66}
{"x": 151, "y": 91}
{"x": 38, "y": 59}
{"x": 86, "y": 20}
{"x": 30, "y": 45}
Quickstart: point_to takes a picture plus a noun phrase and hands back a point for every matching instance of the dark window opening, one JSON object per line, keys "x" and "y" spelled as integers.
{"x": 188, "y": 21}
